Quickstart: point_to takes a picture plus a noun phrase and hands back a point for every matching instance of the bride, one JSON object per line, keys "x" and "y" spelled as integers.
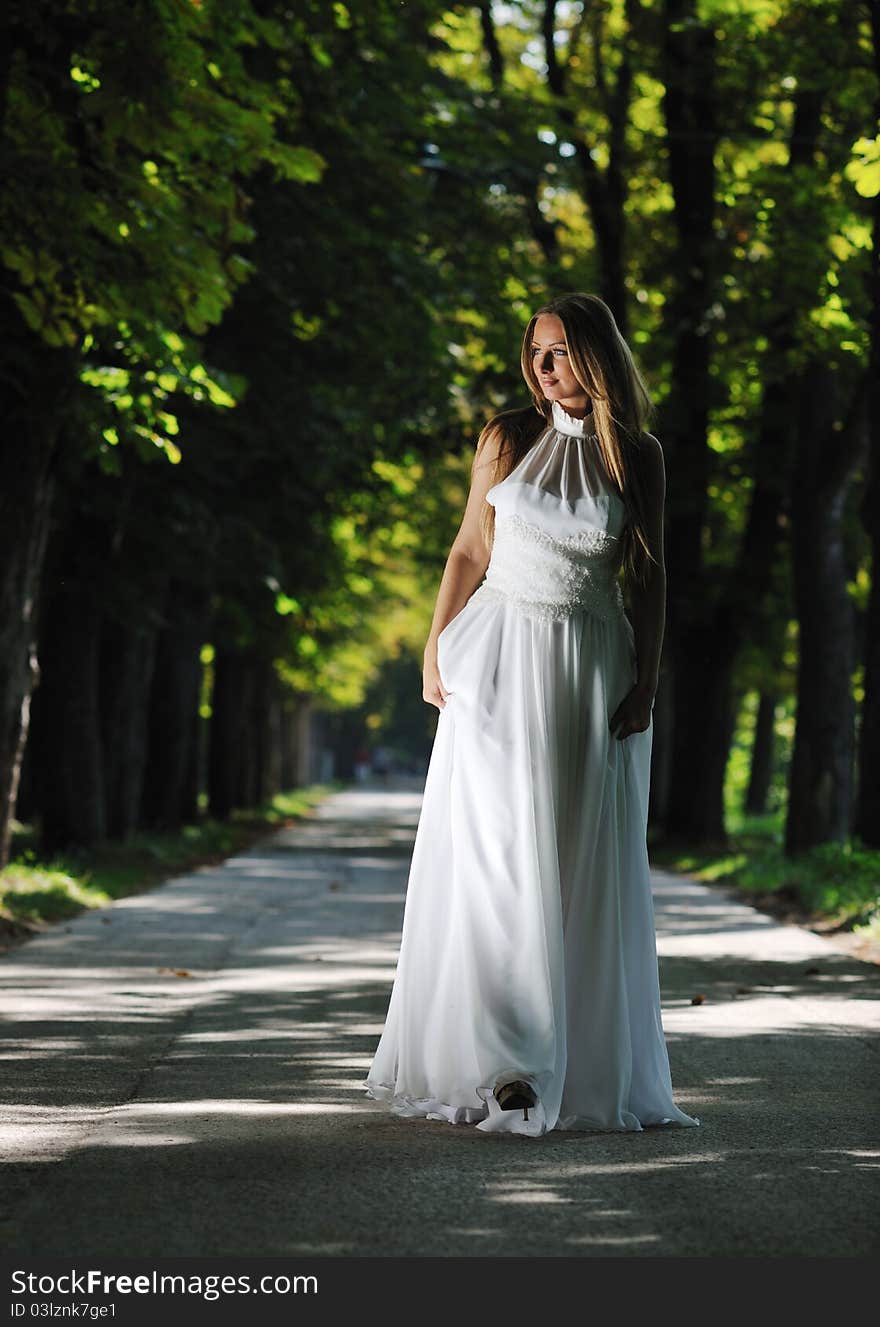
{"x": 526, "y": 996}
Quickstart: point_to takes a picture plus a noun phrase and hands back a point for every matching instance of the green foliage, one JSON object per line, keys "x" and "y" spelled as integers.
{"x": 836, "y": 882}
{"x": 131, "y": 397}
{"x": 375, "y": 305}
{"x": 739, "y": 763}
{"x": 864, "y": 169}
{"x": 379, "y": 601}
{"x": 128, "y": 132}
{"x": 293, "y": 249}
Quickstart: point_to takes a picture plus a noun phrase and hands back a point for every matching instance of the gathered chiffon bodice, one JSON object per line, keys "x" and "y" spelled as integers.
{"x": 558, "y": 527}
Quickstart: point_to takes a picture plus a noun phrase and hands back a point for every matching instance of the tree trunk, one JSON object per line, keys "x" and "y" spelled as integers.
{"x": 73, "y": 809}
{"x": 289, "y": 771}
{"x": 35, "y": 387}
{"x": 272, "y": 772}
{"x": 128, "y": 655}
{"x": 298, "y": 760}
{"x": 701, "y": 669}
{"x": 173, "y": 704}
{"x": 261, "y": 710}
{"x": 227, "y": 733}
{"x": 820, "y": 792}
{"x": 710, "y": 613}
{"x": 261, "y": 777}
{"x": 190, "y": 809}
{"x": 247, "y": 790}
{"x": 704, "y": 725}
{"x": 763, "y": 752}
{"x": 867, "y": 820}
{"x": 304, "y": 769}
{"x": 26, "y": 495}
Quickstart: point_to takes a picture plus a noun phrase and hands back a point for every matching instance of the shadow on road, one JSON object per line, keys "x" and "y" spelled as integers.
{"x": 182, "y": 1076}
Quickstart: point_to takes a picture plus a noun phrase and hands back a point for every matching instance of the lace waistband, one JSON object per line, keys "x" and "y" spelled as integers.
{"x": 600, "y": 604}
{"x": 550, "y": 578}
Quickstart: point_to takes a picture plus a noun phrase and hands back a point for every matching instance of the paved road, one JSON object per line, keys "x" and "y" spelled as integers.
{"x": 218, "y": 1113}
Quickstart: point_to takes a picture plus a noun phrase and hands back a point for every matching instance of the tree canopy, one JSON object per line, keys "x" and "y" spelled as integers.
{"x": 266, "y": 269}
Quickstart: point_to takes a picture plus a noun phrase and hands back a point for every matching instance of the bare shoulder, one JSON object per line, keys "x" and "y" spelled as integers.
{"x": 492, "y": 442}
{"x": 497, "y": 445}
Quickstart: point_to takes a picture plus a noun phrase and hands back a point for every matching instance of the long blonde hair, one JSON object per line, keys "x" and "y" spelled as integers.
{"x": 604, "y": 366}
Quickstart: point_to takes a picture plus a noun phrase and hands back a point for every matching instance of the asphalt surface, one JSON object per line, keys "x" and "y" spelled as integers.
{"x": 180, "y": 1076}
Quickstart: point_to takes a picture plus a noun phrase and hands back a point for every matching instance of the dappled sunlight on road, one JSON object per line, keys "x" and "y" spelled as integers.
{"x": 213, "y": 1034}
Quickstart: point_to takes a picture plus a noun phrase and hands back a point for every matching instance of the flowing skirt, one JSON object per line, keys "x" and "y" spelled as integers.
{"x": 528, "y": 948}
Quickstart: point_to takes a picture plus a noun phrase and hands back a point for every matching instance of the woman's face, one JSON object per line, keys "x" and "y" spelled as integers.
{"x": 551, "y": 365}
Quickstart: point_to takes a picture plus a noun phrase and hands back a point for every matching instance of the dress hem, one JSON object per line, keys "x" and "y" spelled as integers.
{"x": 489, "y": 1118}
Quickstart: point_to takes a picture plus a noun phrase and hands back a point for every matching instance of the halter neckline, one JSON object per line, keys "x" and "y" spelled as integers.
{"x": 563, "y": 422}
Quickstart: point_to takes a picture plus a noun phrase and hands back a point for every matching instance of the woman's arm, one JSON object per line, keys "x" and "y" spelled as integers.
{"x": 647, "y": 602}
{"x": 465, "y": 566}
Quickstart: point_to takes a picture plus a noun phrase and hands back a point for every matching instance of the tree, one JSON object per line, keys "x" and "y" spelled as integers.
{"x": 119, "y": 224}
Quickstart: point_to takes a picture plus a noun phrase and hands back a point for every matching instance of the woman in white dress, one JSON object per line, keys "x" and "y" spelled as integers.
{"x": 526, "y": 996}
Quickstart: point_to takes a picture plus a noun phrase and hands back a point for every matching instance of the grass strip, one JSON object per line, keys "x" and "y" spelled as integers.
{"x": 832, "y": 887}
{"x": 36, "y": 894}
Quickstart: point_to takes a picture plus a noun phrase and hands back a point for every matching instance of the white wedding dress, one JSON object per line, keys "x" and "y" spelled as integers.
{"x": 528, "y": 948}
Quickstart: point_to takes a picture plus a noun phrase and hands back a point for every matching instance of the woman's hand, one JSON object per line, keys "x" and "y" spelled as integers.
{"x": 633, "y": 714}
{"x": 433, "y": 690}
